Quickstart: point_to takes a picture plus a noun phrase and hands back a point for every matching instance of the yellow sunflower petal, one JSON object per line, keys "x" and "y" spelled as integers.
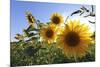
{"x": 48, "y": 34}
{"x": 56, "y": 19}
{"x": 75, "y": 39}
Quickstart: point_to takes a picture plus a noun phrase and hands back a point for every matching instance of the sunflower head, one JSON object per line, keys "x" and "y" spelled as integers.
{"x": 48, "y": 34}
{"x": 75, "y": 39}
{"x": 30, "y": 18}
{"x": 56, "y": 19}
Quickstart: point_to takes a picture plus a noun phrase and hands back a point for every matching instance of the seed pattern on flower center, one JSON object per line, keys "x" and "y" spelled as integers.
{"x": 72, "y": 39}
{"x": 49, "y": 33}
{"x": 56, "y": 20}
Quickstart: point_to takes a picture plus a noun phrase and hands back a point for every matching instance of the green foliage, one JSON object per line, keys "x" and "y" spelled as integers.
{"x": 28, "y": 50}
{"x": 35, "y": 54}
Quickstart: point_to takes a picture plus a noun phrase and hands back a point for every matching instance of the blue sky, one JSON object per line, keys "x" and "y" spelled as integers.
{"x": 40, "y": 10}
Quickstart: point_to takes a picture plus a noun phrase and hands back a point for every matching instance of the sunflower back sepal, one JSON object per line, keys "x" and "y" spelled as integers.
{"x": 30, "y": 18}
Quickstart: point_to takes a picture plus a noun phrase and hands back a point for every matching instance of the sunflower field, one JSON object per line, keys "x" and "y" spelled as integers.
{"x": 54, "y": 42}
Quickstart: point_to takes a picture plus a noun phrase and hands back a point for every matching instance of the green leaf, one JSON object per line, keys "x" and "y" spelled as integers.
{"x": 30, "y": 28}
{"x": 33, "y": 38}
{"x": 36, "y": 29}
{"x": 31, "y": 34}
{"x": 26, "y": 33}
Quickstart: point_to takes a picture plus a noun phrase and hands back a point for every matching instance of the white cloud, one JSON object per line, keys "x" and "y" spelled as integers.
{"x": 83, "y": 20}
{"x": 86, "y": 21}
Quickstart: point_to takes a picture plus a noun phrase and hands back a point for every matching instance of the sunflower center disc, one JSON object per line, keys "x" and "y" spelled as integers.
{"x": 56, "y": 20}
{"x": 72, "y": 39}
{"x": 49, "y": 33}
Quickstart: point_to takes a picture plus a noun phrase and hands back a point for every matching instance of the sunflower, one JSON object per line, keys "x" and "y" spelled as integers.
{"x": 48, "y": 34}
{"x": 30, "y": 18}
{"x": 56, "y": 19}
{"x": 75, "y": 39}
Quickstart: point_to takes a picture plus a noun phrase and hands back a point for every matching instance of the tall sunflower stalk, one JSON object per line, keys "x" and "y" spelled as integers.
{"x": 47, "y": 43}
